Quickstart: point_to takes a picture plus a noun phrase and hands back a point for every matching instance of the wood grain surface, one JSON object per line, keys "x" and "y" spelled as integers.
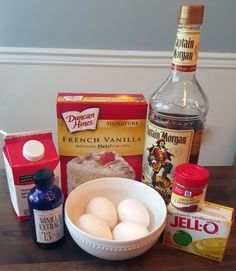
{"x": 18, "y": 252}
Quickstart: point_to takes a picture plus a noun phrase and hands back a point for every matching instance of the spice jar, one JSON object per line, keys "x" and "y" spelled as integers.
{"x": 189, "y": 187}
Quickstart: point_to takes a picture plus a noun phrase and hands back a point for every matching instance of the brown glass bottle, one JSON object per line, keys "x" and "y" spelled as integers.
{"x": 177, "y": 109}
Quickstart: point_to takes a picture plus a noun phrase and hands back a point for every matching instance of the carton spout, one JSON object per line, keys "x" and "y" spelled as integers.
{"x": 3, "y": 133}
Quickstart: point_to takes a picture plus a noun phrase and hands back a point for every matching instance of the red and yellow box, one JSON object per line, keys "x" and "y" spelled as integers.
{"x": 100, "y": 135}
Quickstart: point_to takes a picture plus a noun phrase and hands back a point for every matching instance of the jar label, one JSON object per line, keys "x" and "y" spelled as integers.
{"x": 185, "y": 53}
{"x": 164, "y": 148}
{"x": 187, "y": 200}
{"x": 49, "y": 225}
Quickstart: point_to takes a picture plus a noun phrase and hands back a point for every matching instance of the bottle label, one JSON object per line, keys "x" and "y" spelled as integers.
{"x": 49, "y": 225}
{"x": 185, "y": 53}
{"x": 164, "y": 148}
{"x": 186, "y": 199}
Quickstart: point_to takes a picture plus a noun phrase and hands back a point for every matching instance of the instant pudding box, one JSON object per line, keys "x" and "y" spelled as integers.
{"x": 204, "y": 233}
{"x": 24, "y": 153}
{"x": 100, "y": 135}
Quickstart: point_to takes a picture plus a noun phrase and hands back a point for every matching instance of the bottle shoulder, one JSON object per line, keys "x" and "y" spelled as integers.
{"x": 45, "y": 198}
{"x": 181, "y": 93}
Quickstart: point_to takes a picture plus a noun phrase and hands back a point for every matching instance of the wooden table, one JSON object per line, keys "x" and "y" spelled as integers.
{"x": 18, "y": 252}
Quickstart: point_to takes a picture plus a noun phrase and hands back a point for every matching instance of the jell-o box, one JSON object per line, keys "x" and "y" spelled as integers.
{"x": 204, "y": 233}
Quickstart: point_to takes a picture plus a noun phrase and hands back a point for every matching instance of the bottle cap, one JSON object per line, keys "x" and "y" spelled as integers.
{"x": 191, "y": 175}
{"x": 33, "y": 150}
{"x": 190, "y": 14}
{"x": 43, "y": 177}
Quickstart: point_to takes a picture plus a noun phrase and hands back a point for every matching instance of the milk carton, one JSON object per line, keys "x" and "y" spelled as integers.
{"x": 204, "y": 233}
{"x": 23, "y": 154}
{"x": 100, "y": 135}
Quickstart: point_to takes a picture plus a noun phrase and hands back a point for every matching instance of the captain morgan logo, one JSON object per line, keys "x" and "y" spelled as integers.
{"x": 175, "y": 139}
{"x": 80, "y": 121}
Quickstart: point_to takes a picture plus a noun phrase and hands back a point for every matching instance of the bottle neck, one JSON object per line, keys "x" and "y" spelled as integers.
{"x": 44, "y": 186}
{"x": 177, "y": 75}
{"x": 185, "y": 54}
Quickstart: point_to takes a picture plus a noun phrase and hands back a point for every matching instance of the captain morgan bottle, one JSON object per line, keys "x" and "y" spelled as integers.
{"x": 177, "y": 109}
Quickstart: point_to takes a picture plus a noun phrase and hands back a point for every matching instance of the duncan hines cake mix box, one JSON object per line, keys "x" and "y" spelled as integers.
{"x": 204, "y": 233}
{"x": 100, "y": 135}
{"x": 23, "y": 154}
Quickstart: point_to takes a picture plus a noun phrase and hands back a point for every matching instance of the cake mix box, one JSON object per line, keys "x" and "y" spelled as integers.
{"x": 100, "y": 135}
{"x": 204, "y": 233}
{"x": 23, "y": 154}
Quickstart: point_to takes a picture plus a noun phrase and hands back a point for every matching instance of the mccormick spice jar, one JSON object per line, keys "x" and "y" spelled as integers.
{"x": 189, "y": 187}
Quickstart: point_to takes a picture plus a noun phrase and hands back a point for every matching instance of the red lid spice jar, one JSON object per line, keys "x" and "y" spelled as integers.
{"x": 189, "y": 187}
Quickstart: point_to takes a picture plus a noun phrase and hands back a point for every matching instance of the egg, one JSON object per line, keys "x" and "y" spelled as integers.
{"x": 127, "y": 230}
{"x": 95, "y": 226}
{"x": 103, "y": 208}
{"x": 133, "y": 211}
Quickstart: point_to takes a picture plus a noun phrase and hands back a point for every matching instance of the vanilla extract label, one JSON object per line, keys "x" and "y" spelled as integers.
{"x": 49, "y": 225}
{"x": 185, "y": 52}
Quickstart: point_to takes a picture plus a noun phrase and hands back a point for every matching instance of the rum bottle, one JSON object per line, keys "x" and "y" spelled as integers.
{"x": 177, "y": 109}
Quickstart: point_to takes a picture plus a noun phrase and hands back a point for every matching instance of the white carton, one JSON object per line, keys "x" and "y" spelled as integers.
{"x": 23, "y": 154}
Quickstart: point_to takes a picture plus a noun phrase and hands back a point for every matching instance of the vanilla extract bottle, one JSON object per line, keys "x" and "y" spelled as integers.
{"x": 46, "y": 203}
{"x": 177, "y": 109}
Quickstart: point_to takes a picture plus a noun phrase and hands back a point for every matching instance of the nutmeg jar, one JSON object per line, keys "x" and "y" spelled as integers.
{"x": 189, "y": 187}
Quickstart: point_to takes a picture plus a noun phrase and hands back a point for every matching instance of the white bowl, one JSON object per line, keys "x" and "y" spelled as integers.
{"x": 115, "y": 189}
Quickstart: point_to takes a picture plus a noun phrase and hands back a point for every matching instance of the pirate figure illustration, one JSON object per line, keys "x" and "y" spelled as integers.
{"x": 160, "y": 158}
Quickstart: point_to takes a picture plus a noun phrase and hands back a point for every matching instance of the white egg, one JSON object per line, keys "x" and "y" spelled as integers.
{"x": 95, "y": 226}
{"x": 127, "y": 230}
{"x": 104, "y": 209}
{"x": 134, "y": 211}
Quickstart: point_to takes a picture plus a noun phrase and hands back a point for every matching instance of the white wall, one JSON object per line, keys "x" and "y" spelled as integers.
{"x": 31, "y": 78}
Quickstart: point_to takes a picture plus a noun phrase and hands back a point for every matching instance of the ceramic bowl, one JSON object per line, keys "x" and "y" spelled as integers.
{"x": 116, "y": 190}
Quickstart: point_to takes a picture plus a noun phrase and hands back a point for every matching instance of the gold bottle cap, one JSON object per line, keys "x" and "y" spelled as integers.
{"x": 190, "y": 14}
